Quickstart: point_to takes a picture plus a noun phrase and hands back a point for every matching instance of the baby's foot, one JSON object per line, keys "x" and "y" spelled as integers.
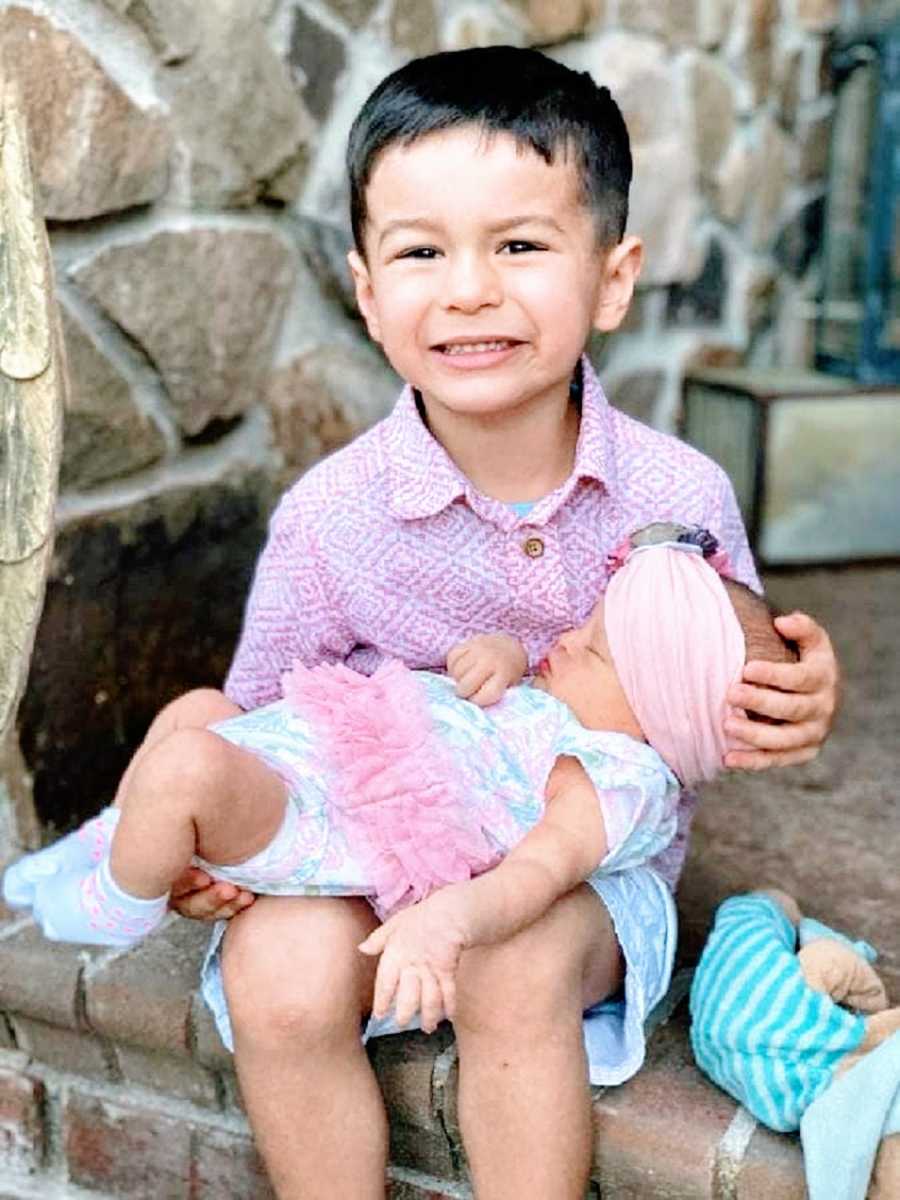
{"x": 89, "y": 907}
{"x": 78, "y": 851}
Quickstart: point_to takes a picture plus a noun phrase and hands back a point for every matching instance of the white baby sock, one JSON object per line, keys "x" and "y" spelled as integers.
{"x": 89, "y": 906}
{"x": 78, "y": 851}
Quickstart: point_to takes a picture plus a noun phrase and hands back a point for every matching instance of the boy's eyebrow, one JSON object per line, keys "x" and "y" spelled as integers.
{"x": 406, "y": 223}
{"x": 411, "y": 223}
{"x": 527, "y": 219}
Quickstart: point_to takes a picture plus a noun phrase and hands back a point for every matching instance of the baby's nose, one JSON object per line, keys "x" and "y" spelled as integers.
{"x": 569, "y": 640}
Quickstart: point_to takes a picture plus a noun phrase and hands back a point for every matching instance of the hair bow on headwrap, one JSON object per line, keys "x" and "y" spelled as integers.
{"x": 676, "y": 643}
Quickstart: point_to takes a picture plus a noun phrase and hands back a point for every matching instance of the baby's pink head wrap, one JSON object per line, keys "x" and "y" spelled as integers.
{"x": 677, "y": 647}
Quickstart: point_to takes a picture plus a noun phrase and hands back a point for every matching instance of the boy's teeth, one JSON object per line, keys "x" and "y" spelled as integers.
{"x": 475, "y": 347}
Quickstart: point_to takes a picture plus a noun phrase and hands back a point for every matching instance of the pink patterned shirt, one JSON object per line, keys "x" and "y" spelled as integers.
{"x": 386, "y": 550}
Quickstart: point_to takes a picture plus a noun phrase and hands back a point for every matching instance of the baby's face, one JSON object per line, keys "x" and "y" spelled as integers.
{"x": 579, "y": 671}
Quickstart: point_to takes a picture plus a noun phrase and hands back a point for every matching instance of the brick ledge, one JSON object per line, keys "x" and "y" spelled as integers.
{"x": 114, "y": 1084}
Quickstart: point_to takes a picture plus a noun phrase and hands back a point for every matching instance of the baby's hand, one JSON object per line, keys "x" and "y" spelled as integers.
{"x": 486, "y": 665}
{"x": 420, "y": 949}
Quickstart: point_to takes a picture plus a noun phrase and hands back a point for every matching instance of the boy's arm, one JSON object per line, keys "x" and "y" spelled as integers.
{"x": 290, "y": 614}
{"x": 486, "y": 665}
{"x": 802, "y": 695}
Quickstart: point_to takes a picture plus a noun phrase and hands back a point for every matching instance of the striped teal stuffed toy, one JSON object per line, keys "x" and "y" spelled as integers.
{"x": 764, "y": 1026}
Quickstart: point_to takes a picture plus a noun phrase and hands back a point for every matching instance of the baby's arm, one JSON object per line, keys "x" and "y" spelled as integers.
{"x": 486, "y": 665}
{"x": 560, "y": 852}
{"x": 420, "y": 947}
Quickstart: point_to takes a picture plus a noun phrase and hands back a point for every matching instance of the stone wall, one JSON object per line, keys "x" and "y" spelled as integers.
{"x": 189, "y": 157}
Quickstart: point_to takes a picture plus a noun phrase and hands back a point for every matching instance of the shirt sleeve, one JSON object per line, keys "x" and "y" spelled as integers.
{"x": 290, "y": 613}
{"x": 637, "y": 793}
{"x": 726, "y": 523}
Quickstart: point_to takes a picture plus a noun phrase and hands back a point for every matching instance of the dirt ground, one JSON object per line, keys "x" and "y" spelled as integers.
{"x": 829, "y": 832}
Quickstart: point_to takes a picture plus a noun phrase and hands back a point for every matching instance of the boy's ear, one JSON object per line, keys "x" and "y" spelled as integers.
{"x": 621, "y": 269}
{"x": 365, "y": 298}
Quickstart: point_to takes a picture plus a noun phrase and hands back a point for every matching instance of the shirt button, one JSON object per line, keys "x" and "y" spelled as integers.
{"x": 533, "y": 547}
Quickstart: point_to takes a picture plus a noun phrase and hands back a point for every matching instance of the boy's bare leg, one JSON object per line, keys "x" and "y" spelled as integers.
{"x": 192, "y": 792}
{"x": 524, "y": 1101}
{"x": 297, "y": 990}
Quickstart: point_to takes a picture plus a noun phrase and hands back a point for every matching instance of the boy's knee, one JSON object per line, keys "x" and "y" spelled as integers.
{"x": 509, "y": 985}
{"x": 538, "y": 975}
{"x": 300, "y": 981}
{"x": 207, "y": 701}
{"x": 286, "y": 1020}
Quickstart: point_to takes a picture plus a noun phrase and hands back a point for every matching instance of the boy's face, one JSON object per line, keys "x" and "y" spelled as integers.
{"x": 579, "y": 671}
{"x": 483, "y": 277}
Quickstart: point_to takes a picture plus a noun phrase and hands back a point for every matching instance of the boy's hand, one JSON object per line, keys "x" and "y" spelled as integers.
{"x": 420, "y": 949}
{"x": 199, "y": 896}
{"x": 803, "y": 695}
{"x": 485, "y": 666}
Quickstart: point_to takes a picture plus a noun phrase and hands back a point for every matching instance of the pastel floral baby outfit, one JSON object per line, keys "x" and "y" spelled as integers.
{"x": 502, "y": 757}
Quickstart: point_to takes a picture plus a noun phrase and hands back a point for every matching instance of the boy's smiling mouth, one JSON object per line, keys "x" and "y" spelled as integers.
{"x": 476, "y": 348}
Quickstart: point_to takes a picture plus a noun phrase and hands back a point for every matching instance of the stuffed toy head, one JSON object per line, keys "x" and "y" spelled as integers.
{"x": 790, "y": 1017}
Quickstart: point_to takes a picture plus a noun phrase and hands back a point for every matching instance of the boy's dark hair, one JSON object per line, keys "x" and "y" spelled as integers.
{"x": 500, "y": 89}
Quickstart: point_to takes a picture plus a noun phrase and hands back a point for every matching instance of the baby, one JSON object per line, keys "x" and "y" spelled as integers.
{"x": 393, "y": 787}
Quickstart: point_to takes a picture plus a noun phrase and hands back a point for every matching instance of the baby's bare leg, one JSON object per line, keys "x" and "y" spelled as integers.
{"x": 297, "y": 990}
{"x": 83, "y": 849}
{"x": 524, "y": 1101}
{"x": 192, "y": 792}
{"x": 194, "y": 895}
{"x": 194, "y": 710}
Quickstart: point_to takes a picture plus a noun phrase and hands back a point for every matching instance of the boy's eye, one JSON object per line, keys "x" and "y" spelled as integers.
{"x": 520, "y": 246}
{"x": 426, "y": 252}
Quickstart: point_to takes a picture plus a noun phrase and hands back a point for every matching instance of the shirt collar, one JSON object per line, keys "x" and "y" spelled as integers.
{"x": 424, "y": 480}
{"x": 593, "y": 451}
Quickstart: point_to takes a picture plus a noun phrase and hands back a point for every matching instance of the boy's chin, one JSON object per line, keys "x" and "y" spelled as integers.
{"x": 487, "y": 393}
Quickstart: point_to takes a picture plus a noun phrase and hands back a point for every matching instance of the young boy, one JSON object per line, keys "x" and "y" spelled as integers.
{"x": 489, "y": 198}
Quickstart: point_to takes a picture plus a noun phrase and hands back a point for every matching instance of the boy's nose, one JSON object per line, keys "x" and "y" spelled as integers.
{"x": 471, "y": 283}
